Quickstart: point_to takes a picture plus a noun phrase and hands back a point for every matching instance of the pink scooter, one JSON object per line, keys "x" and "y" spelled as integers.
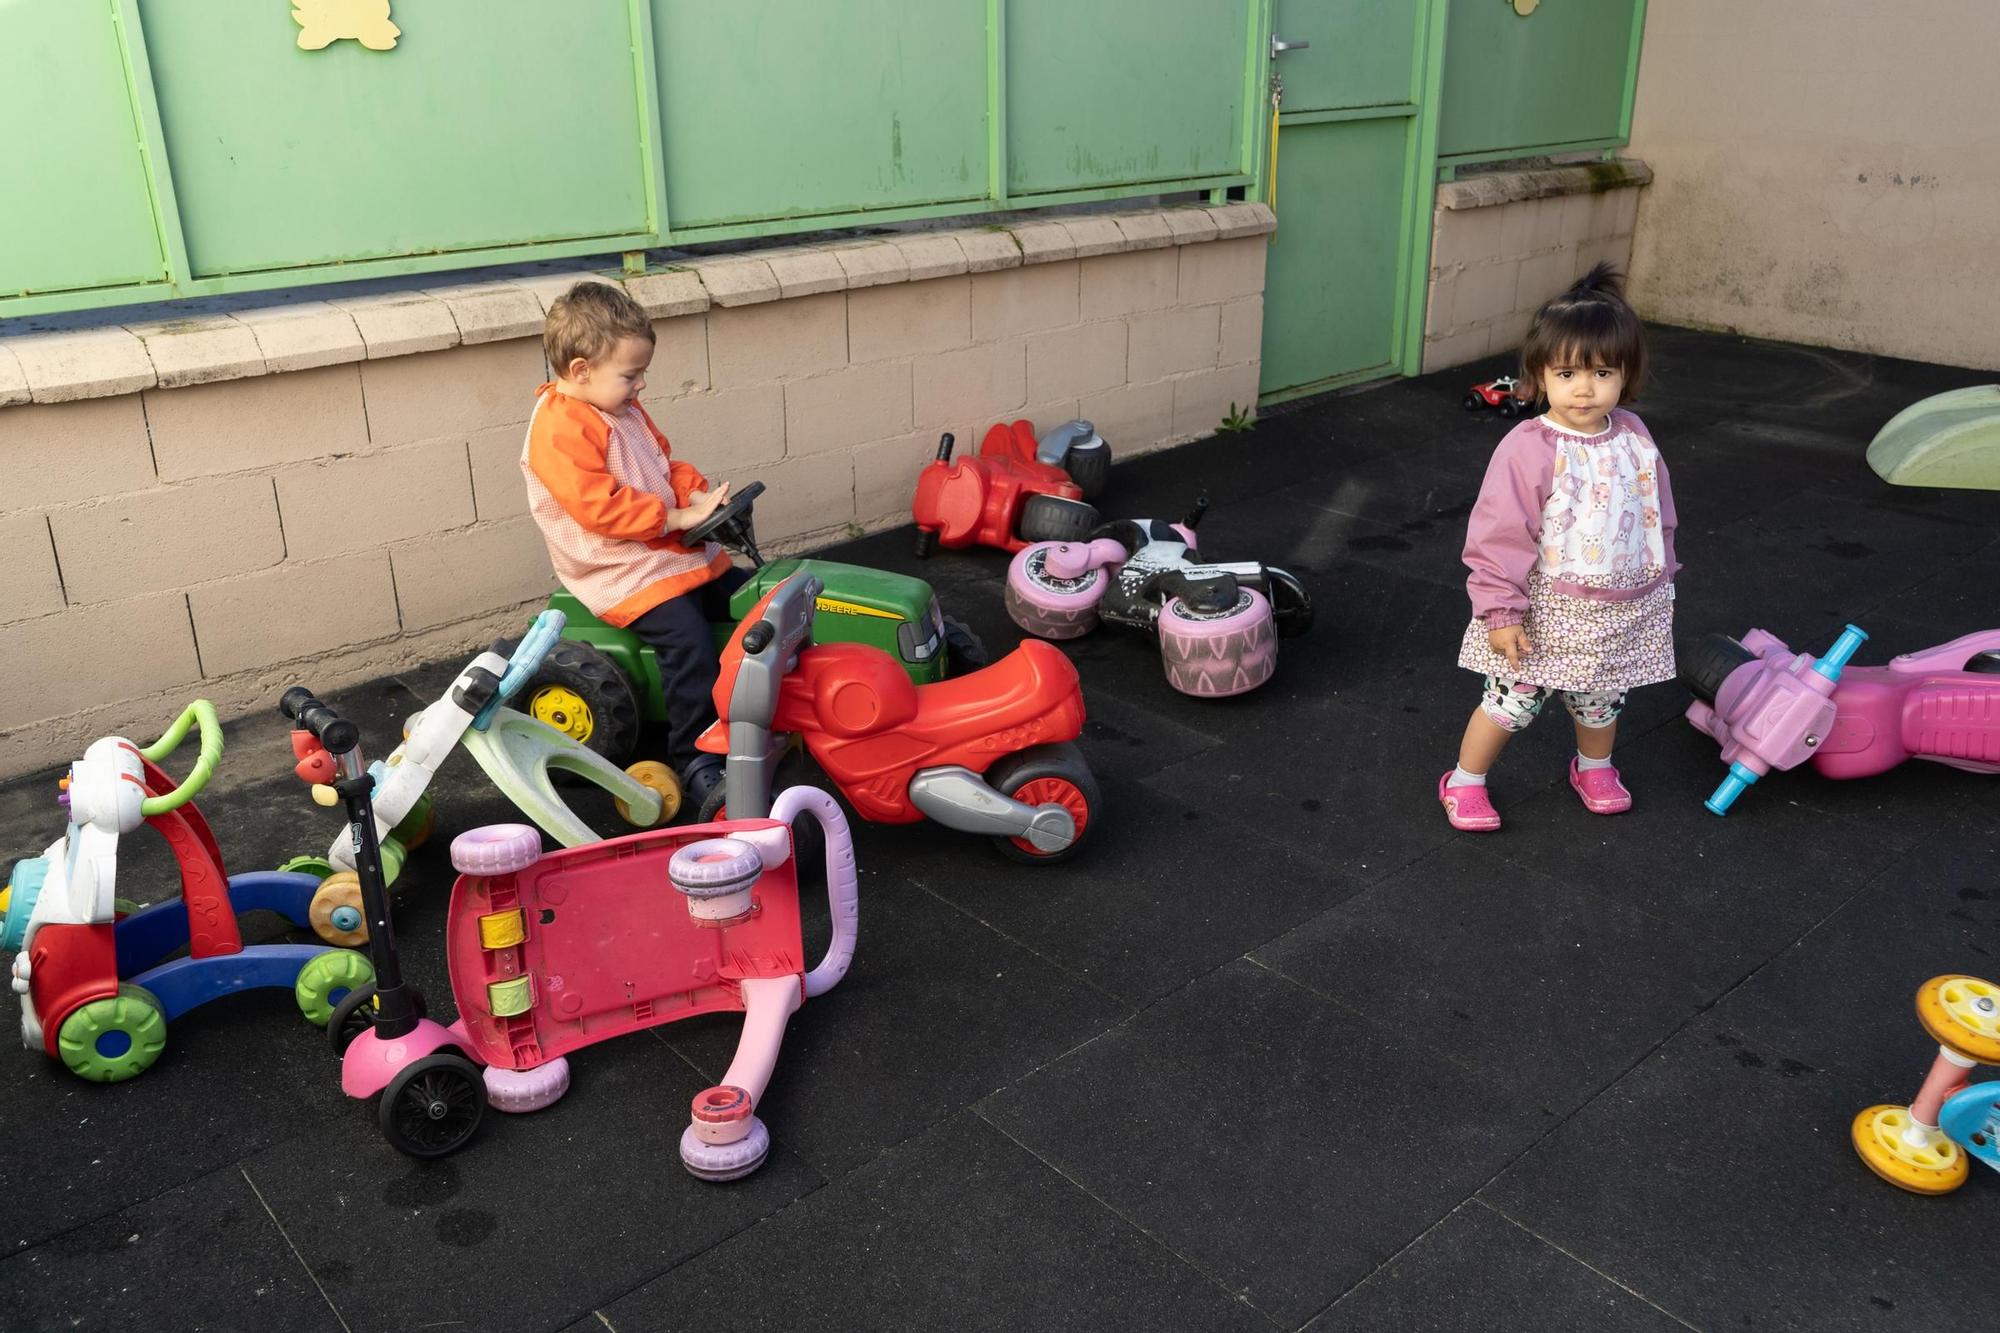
{"x": 1773, "y": 708}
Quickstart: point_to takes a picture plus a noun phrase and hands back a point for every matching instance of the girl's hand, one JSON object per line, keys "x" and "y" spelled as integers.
{"x": 1511, "y": 642}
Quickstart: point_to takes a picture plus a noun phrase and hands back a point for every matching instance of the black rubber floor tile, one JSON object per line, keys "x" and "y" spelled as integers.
{"x": 1122, "y": 737}
{"x": 1960, "y": 598}
{"x": 1761, "y": 876}
{"x": 1548, "y": 988}
{"x": 1717, "y": 1181}
{"x": 1844, "y": 996}
{"x": 1857, "y": 554}
{"x": 538, "y": 1220}
{"x": 937, "y": 1011}
{"x": 237, "y": 1074}
{"x": 1349, "y": 788}
{"x": 203, "y": 1256}
{"x": 1267, "y": 1134}
{"x": 1172, "y": 892}
{"x": 1477, "y": 1272}
{"x": 960, "y": 1229}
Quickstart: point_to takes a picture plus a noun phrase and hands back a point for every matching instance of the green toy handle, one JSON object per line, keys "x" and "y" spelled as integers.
{"x": 201, "y": 712}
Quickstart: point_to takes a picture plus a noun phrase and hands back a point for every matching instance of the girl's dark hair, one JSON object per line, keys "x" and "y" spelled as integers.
{"x": 1588, "y": 325}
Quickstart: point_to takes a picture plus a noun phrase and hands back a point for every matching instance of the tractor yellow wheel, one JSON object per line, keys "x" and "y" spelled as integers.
{"x": 336, "y": 913}
{"x": 1894, "y": 1147}
{"x": 564, "y": 709}
{"x": 656, "y": 775}
{"x": 1963, "y": 1014}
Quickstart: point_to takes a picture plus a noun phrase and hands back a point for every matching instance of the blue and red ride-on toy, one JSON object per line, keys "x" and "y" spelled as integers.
{"x": 97, "y": 975}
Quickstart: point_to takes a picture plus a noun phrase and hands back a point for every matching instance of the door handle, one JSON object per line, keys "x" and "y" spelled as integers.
{"x": 1280, "y": 45}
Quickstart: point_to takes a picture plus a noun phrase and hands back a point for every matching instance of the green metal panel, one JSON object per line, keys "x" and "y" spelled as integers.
{"x": 1110, "y": 92}
{"x": 472, "y": 132}
{"x": 790, "y": 108}
{"x": 1363, "y": 53}
{"x": 1561, "y": 76}
{"x": 1331, "y": 282}
{"x": 78, "y": 209}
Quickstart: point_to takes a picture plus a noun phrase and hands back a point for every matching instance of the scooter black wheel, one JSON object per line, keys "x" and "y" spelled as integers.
{"x": 1707, "y": 663}
{"x": 1044, "y": 774}
{"x": 434, "y": 1106}
{"x": 1050, "y": 518}
{"x": 355, "y": 1014}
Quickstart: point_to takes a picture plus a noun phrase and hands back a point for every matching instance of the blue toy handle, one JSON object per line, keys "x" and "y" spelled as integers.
{"x": 1739, "y": 781}
{"x": 527, "y": 659}
{"x": 1843, "y": 648}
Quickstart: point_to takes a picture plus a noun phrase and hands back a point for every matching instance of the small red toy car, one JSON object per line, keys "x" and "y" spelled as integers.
{"x": 1503, "y": 393}
{"x": 1015, "y": 490}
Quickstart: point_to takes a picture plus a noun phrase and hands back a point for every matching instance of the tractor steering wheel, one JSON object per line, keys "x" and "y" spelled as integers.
{"x": 717, "y": 526}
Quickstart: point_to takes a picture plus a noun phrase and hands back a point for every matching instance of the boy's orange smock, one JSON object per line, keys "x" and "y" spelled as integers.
{"x": 597, "y": 485}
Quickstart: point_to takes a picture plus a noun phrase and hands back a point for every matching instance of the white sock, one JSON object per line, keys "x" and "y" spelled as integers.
{"x": 1461, "y": 778}
{"x": 1584, "y": 763}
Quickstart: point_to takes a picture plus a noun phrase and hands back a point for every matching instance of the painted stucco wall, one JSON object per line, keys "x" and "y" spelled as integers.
{"x": 1825, "y": 171}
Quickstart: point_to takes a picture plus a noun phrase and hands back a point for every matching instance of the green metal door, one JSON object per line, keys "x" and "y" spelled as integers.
{"x": 1353, "y": 171}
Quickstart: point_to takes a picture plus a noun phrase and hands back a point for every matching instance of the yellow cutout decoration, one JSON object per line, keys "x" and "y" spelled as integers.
{"x": 324, "y": 22}
{"x": 1525, "y": 7}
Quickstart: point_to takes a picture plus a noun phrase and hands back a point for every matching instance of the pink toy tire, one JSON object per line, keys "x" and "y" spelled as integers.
{"x": 1049, "y": 607}
{"x": 714, "y": 866}
{"x": 517, "y": 1091}
{"x": 725, "y": 1161}
{"x": 496, "y": 849}
{"x": 1215, "y": 656}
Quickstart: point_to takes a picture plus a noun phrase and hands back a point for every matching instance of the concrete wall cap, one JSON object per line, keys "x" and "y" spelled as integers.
{"x": 1506, "y": 187}
{"x": 107, "y": 361}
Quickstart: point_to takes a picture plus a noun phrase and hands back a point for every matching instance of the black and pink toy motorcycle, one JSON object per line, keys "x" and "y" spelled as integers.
{"x": 1218, "y": 623}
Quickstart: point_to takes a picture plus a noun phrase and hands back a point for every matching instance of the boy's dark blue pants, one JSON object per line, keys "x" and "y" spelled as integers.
{"x": 681, "y": 633}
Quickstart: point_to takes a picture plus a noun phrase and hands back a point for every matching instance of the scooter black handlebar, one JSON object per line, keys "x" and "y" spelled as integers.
{"x": 333, "y": 731}
{"x": 758, "y": 637}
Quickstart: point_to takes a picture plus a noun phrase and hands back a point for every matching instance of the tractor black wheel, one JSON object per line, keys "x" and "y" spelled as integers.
{"x": 1708, "y": 662}
{"x": 1050, "y": 518}
{"x": 582, "y": 693}
{"x": 964, "y": 651}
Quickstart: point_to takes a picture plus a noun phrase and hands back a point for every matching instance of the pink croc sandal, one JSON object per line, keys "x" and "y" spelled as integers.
{"x": 1468, "y": 808}
{"x": 1600, "y": 790}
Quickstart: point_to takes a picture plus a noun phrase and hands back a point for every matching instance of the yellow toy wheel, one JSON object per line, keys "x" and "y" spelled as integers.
{"x": 336, "y": 913}
{"x": 564, "y": 709}
{"x": 1963, "y": 1014}
{"x": 656, "y": 775}
{"x": 1909, "y": 1157}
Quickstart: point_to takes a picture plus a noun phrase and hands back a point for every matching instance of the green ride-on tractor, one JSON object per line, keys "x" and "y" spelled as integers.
{"x": 601, "y": 684}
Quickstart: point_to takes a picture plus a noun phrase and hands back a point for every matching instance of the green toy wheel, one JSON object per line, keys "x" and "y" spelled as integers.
{"x": 326, "y": 980}
{"x": 115, "y": 1038}
{"x": 415, "y": 828}
{"x": 317, "y": 866}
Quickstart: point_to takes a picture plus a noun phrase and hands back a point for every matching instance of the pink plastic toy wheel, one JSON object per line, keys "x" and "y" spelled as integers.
{"x": 496, "y": 849}
{"x": 1051, "y": 607}
{"x": 725, "y": 1161}
{"x": 519, "y": 1090}
{"x": 714, "y": 866}
{"x": 1227, "y": 653}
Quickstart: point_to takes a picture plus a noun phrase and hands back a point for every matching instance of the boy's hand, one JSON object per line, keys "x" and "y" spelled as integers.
{"x": 701, "y": 504}
{"x": 1511, "y": 642}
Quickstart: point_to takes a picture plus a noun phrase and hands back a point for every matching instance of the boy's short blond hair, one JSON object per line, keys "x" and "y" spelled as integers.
{"x": 588, "y": 320}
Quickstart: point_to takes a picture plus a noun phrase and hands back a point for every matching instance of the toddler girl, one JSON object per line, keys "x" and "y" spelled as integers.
{"x": 1571, "y": 547}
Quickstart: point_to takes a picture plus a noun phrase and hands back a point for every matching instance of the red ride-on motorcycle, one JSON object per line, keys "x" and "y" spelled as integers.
{"x": 1015, "y": 490}
{"x": 990, "y": 753}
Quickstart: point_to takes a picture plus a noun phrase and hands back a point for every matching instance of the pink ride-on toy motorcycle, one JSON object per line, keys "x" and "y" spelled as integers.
{"x": 1218, "y": 624}
{"x": 1773, "y": 708}
{"x": 551, "y": 953}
